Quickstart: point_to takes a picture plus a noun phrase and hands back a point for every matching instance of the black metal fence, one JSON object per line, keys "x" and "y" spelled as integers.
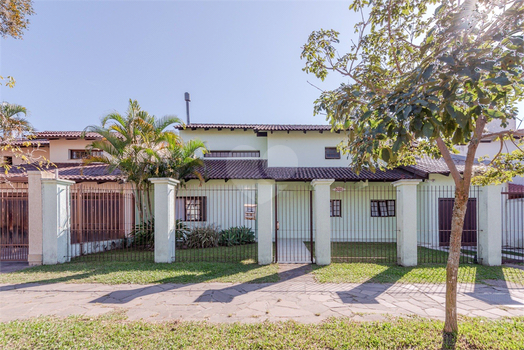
{"x": 14, "y": 225}
{"x": 434, "y": 213}
{"x": 294, "y": 240}
{"x": 513, "y": 224}
{"x": 216, "y": 222}
{"x": 110, "y": 222}
{"x": 363, "y": 222}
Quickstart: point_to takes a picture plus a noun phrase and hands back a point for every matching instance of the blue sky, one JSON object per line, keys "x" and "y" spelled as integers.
{"x": 240, "y": 60}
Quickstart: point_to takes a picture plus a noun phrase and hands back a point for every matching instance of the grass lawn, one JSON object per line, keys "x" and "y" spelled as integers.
{"x": 144, "y": 272}
{"x": 240, "y": 253}
{"x": 115, "y": 332}
{"x": 391, "y": 273}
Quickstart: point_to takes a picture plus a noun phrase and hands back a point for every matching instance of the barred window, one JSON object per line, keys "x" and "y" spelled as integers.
{"x": 8, "y": 160}
{"x": 82, "y": 153}
{"x": 332, "y": 153}
{"x": 191, "y": 209}
{"x": 232, "y": 154}
{"x": 336, "y": 208}
{"x": 382, "y": 208}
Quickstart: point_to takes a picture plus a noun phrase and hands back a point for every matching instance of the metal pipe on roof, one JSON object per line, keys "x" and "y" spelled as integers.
{"x": 188, "y": 99}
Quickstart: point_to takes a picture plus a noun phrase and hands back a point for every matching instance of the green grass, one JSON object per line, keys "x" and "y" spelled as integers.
{"x": 144, "y": 272}
{"x": 511, "y": 252}
{"x": 390, "y": 273}
{"x": 240, "y": 253}
{"x": 115, "y": 332}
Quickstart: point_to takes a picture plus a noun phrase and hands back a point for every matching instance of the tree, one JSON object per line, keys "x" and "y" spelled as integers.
{"x": 139, "y": 145}
{"x": 13, "y": 17}
{"x": 420, "y": 82}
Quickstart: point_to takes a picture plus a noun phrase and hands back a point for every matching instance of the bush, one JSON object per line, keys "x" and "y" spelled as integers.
{"x": 236, "y": 236}
{"x": 144, "y": 234}
{"x": 182, "y": 234}
{"x": 203, "y": 237}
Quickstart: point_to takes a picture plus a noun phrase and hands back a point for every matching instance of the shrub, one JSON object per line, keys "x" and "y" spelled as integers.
{"x": 236, "y": 236}
{"x": 203, "y": 237}
{"x": 144, "y": 234}
{"x": 182, "y": 234}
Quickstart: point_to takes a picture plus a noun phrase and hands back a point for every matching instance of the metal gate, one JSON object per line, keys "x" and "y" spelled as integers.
{"x": 294, "y": 234}
{"x": 14, "y": 240}
{"x": 513, "y": 224}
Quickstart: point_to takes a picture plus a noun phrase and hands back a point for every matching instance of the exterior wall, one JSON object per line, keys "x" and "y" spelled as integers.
{"x": 225, "y": 202}
{"x": 59, "y": 149}
{"x": 293, "y": 211}
{"x": 36, "y": 153}
{"x": 228, "y": 140}
{"x": 512, "y": 222}
{"x": 356, "y": 223}
{"x": 297, "y": 149}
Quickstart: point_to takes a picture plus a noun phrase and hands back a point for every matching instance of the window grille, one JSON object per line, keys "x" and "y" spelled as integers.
{"x": 332, "y": 153}
{"x": 336, "y": 208}
{"x": 382, "y": 208}
{"x": 232, "y": 154}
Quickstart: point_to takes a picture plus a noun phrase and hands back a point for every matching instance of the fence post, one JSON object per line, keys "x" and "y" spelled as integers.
{"x": 490, "y": 226}
{"x": 265, "y": 221}
{"x": 322, "y": 220}
{"x": 165, "y": 221}
{"x": 56, "y": 221}
{"x": 407, "y": 221}
{"x": 34, "y": 200}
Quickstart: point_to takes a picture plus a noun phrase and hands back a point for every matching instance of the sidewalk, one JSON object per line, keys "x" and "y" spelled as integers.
{"x": 297, "y": 297}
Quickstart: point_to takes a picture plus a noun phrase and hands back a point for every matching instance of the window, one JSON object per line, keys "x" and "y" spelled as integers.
{"x": 82, "y": 153}
{"x": 191, "y": 209}
{"x": 383, "y": 208}
{"x": 336, "y": 208}
{"x": 8, "y": 160}
{"x": 232, "y": 154}
{"x": 332, "y": 153}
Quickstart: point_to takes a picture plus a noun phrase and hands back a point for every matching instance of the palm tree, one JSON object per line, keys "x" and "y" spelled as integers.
{"x": 12, "y": 121}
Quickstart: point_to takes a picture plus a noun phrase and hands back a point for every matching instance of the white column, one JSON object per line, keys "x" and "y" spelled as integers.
{"x": 406, "y": 221}
{"x": 56, "y": 223}
{"x": 34, "y": 199}
{"x": 322, "y": 220}
{"x": 165, "y": 221}
{"x": 265, "y": 221}
{"x": 490, "y": 226}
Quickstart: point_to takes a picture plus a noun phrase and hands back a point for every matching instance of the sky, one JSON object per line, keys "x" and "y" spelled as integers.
{"x": 240, "y": 60}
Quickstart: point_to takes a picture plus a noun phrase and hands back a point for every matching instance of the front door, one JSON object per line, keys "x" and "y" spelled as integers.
{"x": 294, "y": 238}
{"x": 445, "y": 212}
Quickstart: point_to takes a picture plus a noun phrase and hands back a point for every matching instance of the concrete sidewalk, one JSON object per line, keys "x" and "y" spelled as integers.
{"x": 297, "y": 299}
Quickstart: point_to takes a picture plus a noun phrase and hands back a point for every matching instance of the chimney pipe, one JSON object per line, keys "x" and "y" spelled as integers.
{"x": 188, "y": 99}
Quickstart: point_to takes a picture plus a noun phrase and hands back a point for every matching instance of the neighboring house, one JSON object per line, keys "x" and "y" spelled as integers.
{"x": 292, "y": 159}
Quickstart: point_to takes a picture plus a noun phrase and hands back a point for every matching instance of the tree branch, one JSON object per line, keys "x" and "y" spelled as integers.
{"x": 449, "y": 162}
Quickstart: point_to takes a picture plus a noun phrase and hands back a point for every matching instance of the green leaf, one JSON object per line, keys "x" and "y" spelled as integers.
{"x": 385, "y": 154}
{"x": 428, "y": 129}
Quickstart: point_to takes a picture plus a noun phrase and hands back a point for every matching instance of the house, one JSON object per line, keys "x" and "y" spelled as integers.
{"x": 293, "y": 172}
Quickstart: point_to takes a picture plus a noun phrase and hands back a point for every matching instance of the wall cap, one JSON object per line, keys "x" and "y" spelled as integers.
{"x": 411, "y": 182}
{"x": 58, "y": 181}
{"x": 164, "y": 181}
{"x": 322, "y": 182}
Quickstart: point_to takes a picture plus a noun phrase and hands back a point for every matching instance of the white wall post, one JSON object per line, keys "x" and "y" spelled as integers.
{"x": 165, "y": 221}
{"x": 322, "y": 220}
{"x": 265, "y": 221}
{"x": 56, "y": 221}
{"x": 406, "y": 221}
{"x": 490, "y": 226}
{"x": 34, "y": 199}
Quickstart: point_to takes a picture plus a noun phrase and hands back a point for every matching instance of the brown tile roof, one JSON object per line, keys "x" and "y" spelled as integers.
{"x": 69, "y": 171}
{"x": 67, "y": 134}
{"x": 428, "y": 165}
{"x": 32, "y": 142}
{"x": 257, "y": 127}
{"x": 257, "y": 169}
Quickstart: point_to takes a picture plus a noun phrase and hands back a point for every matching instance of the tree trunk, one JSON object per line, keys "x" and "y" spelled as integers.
{"x": 457, "y": 225}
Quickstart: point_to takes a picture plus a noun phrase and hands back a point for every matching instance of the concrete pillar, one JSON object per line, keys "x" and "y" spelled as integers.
{"x": 490, "y": 226}
{"x": 322, "y": 220}
{"x": 56, "y": 223}
{"x": 265, "y": 221}
{"x": 406, "y": 221}
{"x": 165, "y": 221}
{"x": 34, "y": 199}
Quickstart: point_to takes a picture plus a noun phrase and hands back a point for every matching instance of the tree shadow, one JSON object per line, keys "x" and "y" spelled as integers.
{"x": 493, "y": 291}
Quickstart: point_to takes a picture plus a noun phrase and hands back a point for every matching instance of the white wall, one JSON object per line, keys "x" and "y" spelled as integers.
{"x": 228, "y": 140}
{"x": 297, "y": 149}
{"x": 59, "y": 149}
{"x": 36, "y": 154}
{"x": 512, "y": 222}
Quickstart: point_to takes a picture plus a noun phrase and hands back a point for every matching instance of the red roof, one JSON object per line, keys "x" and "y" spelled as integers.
{"x": 257, "y": 127}
{"x": 67, "y": 134}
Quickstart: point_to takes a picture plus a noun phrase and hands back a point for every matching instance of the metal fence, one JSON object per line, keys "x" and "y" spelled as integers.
{"x": 513, "y": 224}
{"x": 110, "y": 221}
{"x": 434, "y": 213}
{"x": 363, "y": 222}
{"x": 216, "y": 222}
{"x": 294, "y": 240}
{"x": 14, "y": 225}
